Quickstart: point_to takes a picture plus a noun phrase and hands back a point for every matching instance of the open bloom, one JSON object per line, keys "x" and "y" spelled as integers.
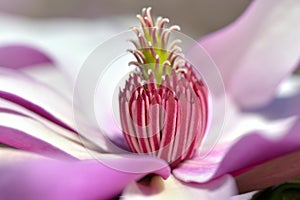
{"x": 36, "y": 119}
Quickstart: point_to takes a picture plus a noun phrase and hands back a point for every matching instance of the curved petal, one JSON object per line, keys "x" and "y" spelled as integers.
{"x": 57, "y": 36}
{"x": 35, "y": 63}
{"x": 13, "y": 108}
{"x": 20, "y": 56}
{"x": 285, "y": 104}
{"x": 40, "y": 99}
{"x": 24, "y": 133}
{"x": 79, "y": 180}
{"x": 222, "y": 188}
{"x": 51, "y": 76}
{"x": 257, "y": 51}
{"x": 35, "y": 96}
{"x": 272, "y": 130}
{"x": 276, "y": 171}
{"x": 10, "y": 155}
{"x": 244, "y": 153}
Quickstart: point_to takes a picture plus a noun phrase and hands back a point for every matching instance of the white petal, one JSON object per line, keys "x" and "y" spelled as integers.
{"x": 258, "y": 51}
{"x": 12, "y": 155}
{"x": 41, "y": 133}
{"x": 222, "y": 188}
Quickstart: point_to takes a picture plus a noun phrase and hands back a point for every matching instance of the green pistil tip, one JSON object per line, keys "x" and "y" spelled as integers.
{"x": 153, "y": 51}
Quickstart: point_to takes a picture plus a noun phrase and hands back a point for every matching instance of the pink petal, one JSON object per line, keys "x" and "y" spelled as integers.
{"x": 13, "y": 108}
{"x": 21, "y": 140}
{"x": 270, "y": 130}
{"x": 19, "y": 56}
{"x": 259, "y": 50}
{"x": 248, "y": 151}
{"x": 51, "y": 76}
{"x": 79, "y": 180}
{"x": 35, "y": 96}
{"x": 222, "y": 188}
{"x": 40, "y": 99}
{"x": 60, "y": 44}
{"x": 10, "y": 155}
{"x": 35, "y": 63}
{"x": 22, "y": 132}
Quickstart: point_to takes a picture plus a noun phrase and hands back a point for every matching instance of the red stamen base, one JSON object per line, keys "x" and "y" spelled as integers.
{"x": 166, "y": 120}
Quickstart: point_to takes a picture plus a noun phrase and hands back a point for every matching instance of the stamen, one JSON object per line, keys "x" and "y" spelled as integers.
{"x": 162, "y": 22}
{"x": 164, "y": 105}
{"x": 143, "y": 41}
{"x": 153, "y": 35}
{"x": 157, "y": 62}
{"x": 135, "y": 63}
{"x": 142, "y": 21}
{"x": 177, "y": 63}
{"x": 163, "y": 42}
{"x": 138, "y": 55}
{"x": 166, "y": 63}
{"x": 144, "y": 12}
{"x": 150, "y": 16}
{"x": 174, "y": 57}
{"x": 165, "y": 37}
{"x": 174, "y": 43}
{"x": 147, "y": 22}
{"x": 136, "y": 30}
{"x": 176, "y": 49}
{"x": 174, "y": 28}
{"x": 152, "y": 49}
{"x": 135, "y": 43}
{"x": 184, "y": 70}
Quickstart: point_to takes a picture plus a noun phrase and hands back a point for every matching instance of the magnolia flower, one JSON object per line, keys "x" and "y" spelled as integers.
{"x": 43, "y": 158}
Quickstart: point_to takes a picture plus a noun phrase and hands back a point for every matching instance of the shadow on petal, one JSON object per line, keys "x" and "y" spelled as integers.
{"x": 19, "y": 56}
{"x": 58, "y": 180}
{"x": 222, "y": 188}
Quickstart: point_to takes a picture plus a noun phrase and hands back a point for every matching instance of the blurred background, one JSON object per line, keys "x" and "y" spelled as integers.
{"x": 196, "y": 17}
{"x": 69, "y": 30}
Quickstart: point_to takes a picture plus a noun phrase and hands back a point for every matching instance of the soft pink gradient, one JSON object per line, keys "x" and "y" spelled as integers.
{"x": 250, "y": 150}
{"x": 61, "y": 180}
{"x": 254, "y": 54}
{"x": 257, "y": 51}
{"x": 19, "y": 56}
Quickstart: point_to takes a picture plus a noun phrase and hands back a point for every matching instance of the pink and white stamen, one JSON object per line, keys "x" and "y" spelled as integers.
{"x": 164, "y": 104}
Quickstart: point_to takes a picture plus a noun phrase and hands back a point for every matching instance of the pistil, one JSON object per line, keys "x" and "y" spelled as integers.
{"x": 164, "y": 104}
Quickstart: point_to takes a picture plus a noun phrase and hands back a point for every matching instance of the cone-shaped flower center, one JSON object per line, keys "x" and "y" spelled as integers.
{"x": 164, "y": 105}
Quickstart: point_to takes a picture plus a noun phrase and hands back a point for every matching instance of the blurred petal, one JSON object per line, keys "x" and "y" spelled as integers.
{"x": 246, "y": 196}
{"x": 272, "y": 130}
{"x": 258, "y": 51}
{"x": 276, "y": 171}
{"x": 36, "y": 64}
{"x": 222, "y": 188}
{"x": 286, "y": 103}
{"x": 36, "y": 96}
{"x": 24, "y": 133}
{"x": 57, "y": 36}
{"x": 13, "y": 108}
{"x": 19, "y": 56}
{"x": 79, "y": 180}
{"x": 51, "y": 76}
{"x": 10, "y": 155}
{"x": 231, "y": 157}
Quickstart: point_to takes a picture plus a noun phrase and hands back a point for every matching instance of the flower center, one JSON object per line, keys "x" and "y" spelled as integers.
{"x": 164, "y": 105}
